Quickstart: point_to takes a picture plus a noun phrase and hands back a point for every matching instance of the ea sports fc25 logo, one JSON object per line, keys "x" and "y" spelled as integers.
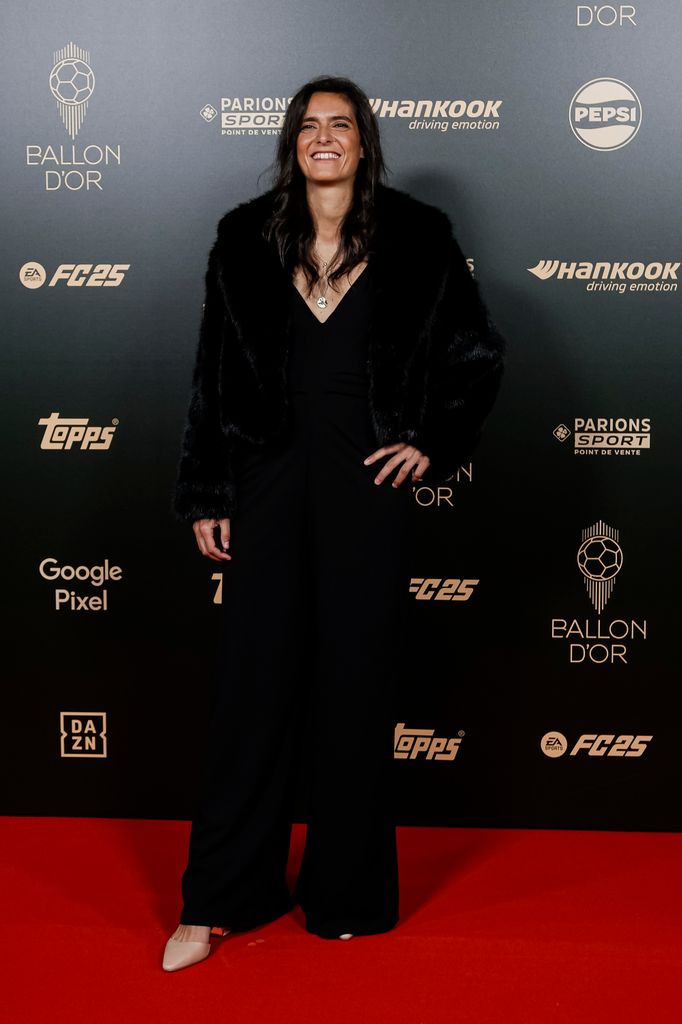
{"x": 439, "y": 589}
{"x": 75, "y": 275}
{"x": 605, "y": 114}
{"x": 555, "y": 744}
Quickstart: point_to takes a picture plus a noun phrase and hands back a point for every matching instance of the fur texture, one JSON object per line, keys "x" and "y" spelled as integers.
{"x": 435, "y": 359}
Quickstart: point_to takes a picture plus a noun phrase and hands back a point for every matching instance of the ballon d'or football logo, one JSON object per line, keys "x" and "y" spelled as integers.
{"x": 600, "y": 559}
{"x": 72, "y": 83}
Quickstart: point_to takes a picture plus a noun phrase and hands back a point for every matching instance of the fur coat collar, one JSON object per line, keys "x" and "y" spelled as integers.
{"x": 434, "y": 359}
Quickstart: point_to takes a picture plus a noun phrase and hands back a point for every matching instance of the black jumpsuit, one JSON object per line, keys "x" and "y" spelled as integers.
{"x": 313, "y": 630}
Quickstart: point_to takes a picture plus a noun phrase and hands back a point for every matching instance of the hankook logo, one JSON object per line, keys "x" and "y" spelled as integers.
{"x": 442, "y": 115}
{"x": 605, "y": 276}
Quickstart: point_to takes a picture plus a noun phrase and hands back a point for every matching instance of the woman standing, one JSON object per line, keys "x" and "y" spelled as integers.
{"x": 344, "y": 353}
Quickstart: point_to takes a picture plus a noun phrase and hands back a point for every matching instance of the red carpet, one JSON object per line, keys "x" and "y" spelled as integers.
{"x": 497, "y": 925}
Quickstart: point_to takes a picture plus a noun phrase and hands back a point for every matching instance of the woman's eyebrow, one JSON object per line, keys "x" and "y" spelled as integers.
{"x": 312, "y": 117}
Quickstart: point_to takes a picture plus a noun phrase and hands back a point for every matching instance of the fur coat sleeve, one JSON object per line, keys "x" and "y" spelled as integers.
{"x": 205, "y": 487}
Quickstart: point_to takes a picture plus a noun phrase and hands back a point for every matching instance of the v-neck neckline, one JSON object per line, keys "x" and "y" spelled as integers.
{"x": 322, "y": 323}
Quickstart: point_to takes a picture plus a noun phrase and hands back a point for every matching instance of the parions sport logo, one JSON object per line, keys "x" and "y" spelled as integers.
{"x": 605, "y": 114}
{"x": 601, "y": 435}
{"x": 72, "y": 168}
{"x": 264, "y": 115}
{"x": 590, "y": 641}
{"x": 592, "y": 744}
{"x": 247, "y": 115}
{"x": 606, "y": 276}
{"x": 74, "y": 275}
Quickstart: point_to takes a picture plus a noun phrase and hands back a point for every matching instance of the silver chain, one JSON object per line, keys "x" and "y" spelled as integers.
{"x": 322, "y": 300}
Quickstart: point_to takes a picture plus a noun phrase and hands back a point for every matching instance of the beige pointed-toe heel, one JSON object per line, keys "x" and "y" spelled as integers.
{"x": 346, "y": 935}
{"x": 180, "y": 953}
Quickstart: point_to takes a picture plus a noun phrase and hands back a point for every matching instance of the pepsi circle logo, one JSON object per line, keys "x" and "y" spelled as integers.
{"x": 605, "y": 114}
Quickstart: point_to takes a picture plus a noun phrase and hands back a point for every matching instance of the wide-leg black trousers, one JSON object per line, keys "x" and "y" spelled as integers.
{"x": 313, "y": 635}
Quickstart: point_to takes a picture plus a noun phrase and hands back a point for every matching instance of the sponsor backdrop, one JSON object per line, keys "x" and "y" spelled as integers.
{"x": 539, "y": 683}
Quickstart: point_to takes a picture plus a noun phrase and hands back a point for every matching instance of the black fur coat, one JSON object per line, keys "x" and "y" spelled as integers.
{"x": 435, "y": 358}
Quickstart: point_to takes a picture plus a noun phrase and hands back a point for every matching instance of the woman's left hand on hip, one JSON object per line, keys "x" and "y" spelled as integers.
{"x": 409, "y": 458}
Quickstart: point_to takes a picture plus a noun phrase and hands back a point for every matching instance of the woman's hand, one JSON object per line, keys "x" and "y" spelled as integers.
{"x": 411, "y": 458}
{"x": 203, "y": 531}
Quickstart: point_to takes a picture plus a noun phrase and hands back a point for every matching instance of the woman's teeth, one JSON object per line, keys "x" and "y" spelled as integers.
{"x": 326, "y": 156}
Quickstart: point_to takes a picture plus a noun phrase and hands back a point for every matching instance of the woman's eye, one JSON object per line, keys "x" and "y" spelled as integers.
{"x": 337, "y": 124}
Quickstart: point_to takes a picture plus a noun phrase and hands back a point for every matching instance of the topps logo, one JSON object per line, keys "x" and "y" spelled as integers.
{"x": 409, "y": 743}
{"x": 439, "y": 589}
{"x": 65, "y": 433}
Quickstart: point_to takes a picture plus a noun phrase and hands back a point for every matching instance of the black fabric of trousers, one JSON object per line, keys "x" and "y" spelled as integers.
{"x": 313, "y": 629}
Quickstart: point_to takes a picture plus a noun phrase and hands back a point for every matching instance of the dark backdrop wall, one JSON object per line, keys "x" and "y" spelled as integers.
{"x": 540, "y": 683}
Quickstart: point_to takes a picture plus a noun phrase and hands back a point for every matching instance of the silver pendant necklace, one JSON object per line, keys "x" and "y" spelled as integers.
{"x": 321, "y": 300}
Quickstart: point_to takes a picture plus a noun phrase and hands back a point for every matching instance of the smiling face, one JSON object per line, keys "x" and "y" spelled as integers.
{"x": 328, "y": 146}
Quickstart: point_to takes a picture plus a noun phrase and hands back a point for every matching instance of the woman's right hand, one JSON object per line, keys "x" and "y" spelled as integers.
{"x": 203, "y": 531}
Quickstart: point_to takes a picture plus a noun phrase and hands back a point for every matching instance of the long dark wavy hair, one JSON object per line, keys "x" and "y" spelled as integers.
{"x": 291, "y": 227}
